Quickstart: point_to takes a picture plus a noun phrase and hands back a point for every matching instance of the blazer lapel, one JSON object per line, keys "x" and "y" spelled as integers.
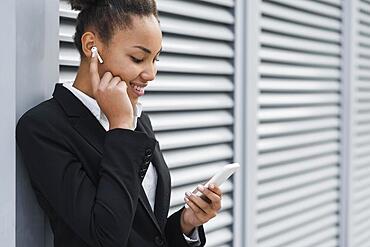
{"x": 81, "y": 117}
{"x": 162, "y": 198}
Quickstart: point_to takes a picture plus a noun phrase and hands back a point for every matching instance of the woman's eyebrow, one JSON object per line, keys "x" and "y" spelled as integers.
{"x": 146, "y": 49}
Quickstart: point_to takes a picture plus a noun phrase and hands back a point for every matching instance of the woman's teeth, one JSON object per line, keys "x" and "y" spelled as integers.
{"x": 137, "y": 88}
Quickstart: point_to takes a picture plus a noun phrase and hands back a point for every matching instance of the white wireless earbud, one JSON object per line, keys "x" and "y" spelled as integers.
{"x": 95, "y": 52}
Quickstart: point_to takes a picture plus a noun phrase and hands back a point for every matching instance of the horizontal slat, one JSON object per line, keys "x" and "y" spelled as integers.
{"x": 188, "y": 138}
{"x": 297, "y": 207}
{"x": 302, "y": 167}
{"x": 196, "y": 10}
{"x": 223, "y": 219}
{"x": 297, "y": 58}
{"x": 226, "y": 3}
{"x": 336, "y": 3}
{"x": 297, "y": 154}
{"x": 292, "y": 43}
{"x": 191, "y": 46}
{"x": 280, "y": 70}
{"x": 282, "y": 85}
{"x": 66, "y": 31}
{"x": 177, "y": 102}
{"x": 333, "y": 242}
{"x": 191, "y": 83}
{"x": 362, "y": 240}
{"x": 298, "y": 16}
{"x": 362, "y": 189}
{"x": 271, "y": 99}
{"x": 184, "y": 64}
{"x": 297, "y": 194}
{"x": 186, "y": 120}
{"x": 219, "y": 237}
{"x": 362, "y": 229}
{"x": 301, "y": 231}
{"x": 196, "y": 29}
{"x": 298, "y": 30}
{"x": 319, "y": 237}
{"x": 285, "y": 142}
{"x": 288, "y": 224}
{"x": 312, "y": 6}
{"x": 190, "y": 156}
{"x": 285, "y": 128}
{"x": 361, "y": 207}
{"x": 360, "y": 172}
{"x": 300, "y": 180}
{"x": 282, "y": 114}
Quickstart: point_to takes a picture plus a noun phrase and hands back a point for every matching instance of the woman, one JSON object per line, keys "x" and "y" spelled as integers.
{"x": 91, "y": 154}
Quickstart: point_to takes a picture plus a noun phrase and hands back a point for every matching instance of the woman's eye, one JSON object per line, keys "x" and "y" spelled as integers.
{"x": 136, "y": 60}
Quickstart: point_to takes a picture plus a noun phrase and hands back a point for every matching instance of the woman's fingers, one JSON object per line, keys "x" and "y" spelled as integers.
{"x": 200, "y": 215}
{"x": 202, "y": 204}
{"x": 105, "y": 80}
{"x": 114, "y": 82}
{"x": 94, "y": 72}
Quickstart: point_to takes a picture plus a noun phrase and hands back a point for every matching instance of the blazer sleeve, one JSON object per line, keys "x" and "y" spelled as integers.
{"x": 174, "y": 235}
{"x": 101, "y": 214}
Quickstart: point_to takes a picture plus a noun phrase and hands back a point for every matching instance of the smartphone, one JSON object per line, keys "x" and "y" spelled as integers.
{"x": 219, "y": 178}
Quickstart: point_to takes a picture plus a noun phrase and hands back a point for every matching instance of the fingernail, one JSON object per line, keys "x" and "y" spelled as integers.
{"x": 200, "y": 187}
{"x": 212, "y": 186}
{"x": 188, "y": 194}
{"x": 186, "y": 199}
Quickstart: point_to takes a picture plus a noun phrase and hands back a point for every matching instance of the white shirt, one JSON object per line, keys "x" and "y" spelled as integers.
{"x": 149, "y": 182}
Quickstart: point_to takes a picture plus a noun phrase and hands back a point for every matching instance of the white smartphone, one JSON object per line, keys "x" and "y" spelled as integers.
{"x": 219, "y": 178}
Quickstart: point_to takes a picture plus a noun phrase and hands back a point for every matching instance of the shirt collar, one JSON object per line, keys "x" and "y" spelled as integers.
{"x": 91, "y": 103}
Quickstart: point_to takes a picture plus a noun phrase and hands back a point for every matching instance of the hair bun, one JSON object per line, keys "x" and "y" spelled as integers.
{"x": 82, "y": 4}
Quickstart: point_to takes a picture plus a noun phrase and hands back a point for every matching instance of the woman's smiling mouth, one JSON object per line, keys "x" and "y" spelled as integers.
{"x": 138, "y": 90}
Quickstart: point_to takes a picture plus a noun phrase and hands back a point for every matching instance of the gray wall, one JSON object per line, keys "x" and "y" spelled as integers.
{"x": 7, "y": 111}
{"x": 36, "y": 73}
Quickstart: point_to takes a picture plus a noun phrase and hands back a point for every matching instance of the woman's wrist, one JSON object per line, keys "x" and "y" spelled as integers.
{"x": 186, "y": 228}
{"x": 122, "y": 125}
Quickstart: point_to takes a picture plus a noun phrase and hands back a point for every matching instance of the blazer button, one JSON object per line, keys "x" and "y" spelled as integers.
{"x": 148, "y": 152}
{"x": 142, "y": 172}
{"x": 158, "y": 241}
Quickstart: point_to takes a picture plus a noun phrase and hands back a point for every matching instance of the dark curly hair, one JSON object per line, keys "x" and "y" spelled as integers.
{"x": 108, "y": 16}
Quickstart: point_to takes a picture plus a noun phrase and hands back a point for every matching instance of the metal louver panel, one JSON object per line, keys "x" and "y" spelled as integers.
{"x": 191, "y": 101}
{"x": 298, "y": 124}
{"x": 359, "y": 213}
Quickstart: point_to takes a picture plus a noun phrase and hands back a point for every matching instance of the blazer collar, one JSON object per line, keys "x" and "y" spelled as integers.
{"x": 80, "y": 117}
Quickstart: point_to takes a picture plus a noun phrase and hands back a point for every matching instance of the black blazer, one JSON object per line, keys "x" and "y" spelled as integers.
{"x": 88, "y": 180}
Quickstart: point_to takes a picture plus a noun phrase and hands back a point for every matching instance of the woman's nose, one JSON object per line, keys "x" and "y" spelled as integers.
{"x": 149, "y": 73}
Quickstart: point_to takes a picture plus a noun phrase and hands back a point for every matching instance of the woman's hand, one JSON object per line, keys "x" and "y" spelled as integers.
{"x": 111, "y": 95}
{"x": 201, "y": 209}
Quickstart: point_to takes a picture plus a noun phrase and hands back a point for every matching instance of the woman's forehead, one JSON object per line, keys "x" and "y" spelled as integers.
{"x": 144, "y": 31}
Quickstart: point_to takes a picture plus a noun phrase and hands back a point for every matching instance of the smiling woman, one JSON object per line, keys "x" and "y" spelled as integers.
{"x": 94, "y": 163}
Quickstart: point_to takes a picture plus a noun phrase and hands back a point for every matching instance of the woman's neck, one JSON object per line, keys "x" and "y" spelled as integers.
{"x": 82, "y": 81}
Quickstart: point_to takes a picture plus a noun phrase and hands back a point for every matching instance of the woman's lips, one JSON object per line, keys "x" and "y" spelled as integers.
{"x": 139, "y": 91}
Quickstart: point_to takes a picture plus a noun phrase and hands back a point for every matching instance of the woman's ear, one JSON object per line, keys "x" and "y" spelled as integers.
{"x": 88, "y": 40}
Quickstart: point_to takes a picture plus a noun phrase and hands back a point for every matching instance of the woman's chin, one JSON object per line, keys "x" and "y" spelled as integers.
{"x": 133, "y": 98}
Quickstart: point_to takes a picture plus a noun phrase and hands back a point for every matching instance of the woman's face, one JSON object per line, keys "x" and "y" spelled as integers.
{"x": 132, "y": 55}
